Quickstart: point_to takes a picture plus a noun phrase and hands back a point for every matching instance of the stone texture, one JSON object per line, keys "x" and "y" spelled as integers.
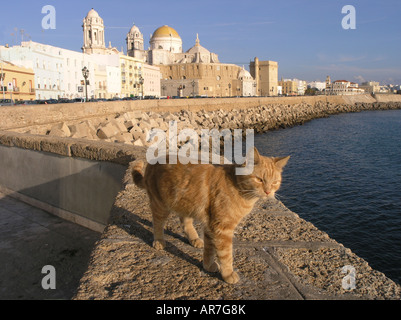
{"x": 60, "y": 130}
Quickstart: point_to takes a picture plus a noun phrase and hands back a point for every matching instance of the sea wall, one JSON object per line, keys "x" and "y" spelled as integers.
{"x": 130, "y": 122}
{"x": 24, "y": 117}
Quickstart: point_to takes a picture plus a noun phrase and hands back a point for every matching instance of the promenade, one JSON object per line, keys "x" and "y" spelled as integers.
{"x": 31, "y": 238}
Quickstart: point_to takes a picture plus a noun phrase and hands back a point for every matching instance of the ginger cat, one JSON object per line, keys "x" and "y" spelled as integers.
{"x": 213, "y": 194}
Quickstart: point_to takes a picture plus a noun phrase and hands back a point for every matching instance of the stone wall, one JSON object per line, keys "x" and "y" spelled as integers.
{"x": 24, "y": 117}
{"x": 132, "y": 127}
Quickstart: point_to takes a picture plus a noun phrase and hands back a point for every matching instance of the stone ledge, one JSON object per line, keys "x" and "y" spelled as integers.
{"x": 286, "y": 258}
{"x": 71, "y": 147}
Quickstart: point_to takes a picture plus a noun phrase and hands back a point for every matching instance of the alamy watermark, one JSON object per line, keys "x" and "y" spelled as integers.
{"x": 189, "y": 151}
{"x": 49, "y": 280}
{"x": 349, "y": 20}
{"x": 348, "y": 282}
{"x": 49, "y": 20}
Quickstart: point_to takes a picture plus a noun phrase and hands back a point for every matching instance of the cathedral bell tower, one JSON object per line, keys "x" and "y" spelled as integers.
{"x": 93, "y": 28}
{"x": 135, "y": 43}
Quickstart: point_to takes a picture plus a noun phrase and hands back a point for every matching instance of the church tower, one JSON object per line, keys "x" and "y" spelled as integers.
{"x": 328, "y": 83}
{"x": 135, "y": 43}
{"x": 93, "y": 28}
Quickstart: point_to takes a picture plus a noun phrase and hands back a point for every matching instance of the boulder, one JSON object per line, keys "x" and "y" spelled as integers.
{"x": 124, "y": 137}
{"x": 107, "y": 131}
{"x": 60, "y": 130}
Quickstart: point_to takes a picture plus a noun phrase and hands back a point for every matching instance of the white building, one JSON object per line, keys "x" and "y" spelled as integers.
{"x": 108, "y": 80}
{"x": 247, "y": 82}
{"x": 47, "y": 63}
{"x": 74, "y": 62}
{"x": 151, "y": 78}
{"x": 343, "y": 87}
{"x": 58, "y": 71}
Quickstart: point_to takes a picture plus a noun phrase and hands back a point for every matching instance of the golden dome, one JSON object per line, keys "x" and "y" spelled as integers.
{"x": 165, "y": 31}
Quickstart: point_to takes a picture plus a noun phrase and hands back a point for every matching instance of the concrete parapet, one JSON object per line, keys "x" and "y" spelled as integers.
{"x": 56, "y": 175}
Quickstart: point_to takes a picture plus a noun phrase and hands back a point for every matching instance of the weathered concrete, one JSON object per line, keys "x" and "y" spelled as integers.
{"x": 69, "y": 185}
{"x": 73, "y": 179}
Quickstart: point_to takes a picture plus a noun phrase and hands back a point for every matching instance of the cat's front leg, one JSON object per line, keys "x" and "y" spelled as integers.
{"x": 209, "y": 253}
{"x": 224, "y": 250}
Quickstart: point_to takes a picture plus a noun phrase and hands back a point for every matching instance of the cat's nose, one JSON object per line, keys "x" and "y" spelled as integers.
{"x": 267, "y": 192}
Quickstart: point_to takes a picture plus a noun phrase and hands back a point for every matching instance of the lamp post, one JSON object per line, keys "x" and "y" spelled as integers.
{"x": 85, "y": 73}
{"x": 2, "y": 76}
{"x": 141, "y": 80}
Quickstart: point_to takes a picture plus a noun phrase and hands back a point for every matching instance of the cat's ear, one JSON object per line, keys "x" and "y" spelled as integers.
{"x": 257, "y": 156}
{"x": 252, "y": 156}
{"x": 281, "y": 162}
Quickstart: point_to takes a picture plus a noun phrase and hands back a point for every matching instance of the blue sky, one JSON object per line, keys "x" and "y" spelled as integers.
{"x": 304, "y": 36}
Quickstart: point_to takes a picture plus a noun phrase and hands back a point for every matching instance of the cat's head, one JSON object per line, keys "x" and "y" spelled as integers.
{"x": 265, "y": 179}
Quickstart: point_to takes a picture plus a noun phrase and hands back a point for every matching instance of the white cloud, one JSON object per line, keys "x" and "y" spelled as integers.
{"x": 360, "y": 79}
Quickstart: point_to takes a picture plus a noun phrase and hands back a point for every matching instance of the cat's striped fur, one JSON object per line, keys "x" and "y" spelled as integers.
{"x": 212, "y": 194}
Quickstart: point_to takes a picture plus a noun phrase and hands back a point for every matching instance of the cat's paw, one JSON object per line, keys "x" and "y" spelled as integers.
{"x": 231, "y": 278}
{"x": 197, "y": 243}
{"x": 213, "y": 267}
{"x": 159, "y": 245}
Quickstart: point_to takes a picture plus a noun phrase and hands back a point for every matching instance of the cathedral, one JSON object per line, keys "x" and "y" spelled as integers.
{"x": 195, "y": 72}
{"x": 166, "y": 48}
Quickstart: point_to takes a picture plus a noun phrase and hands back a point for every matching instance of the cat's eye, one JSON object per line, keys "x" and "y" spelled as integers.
{"x": 258, "y": 179}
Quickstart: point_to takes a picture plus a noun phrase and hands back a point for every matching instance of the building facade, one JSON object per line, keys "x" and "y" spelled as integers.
{"x": 342, "y": 87}
{"x": 370, "y": 86}
{"x": 46, "y": 62}
{"x": 206, "y": 79}
{"x": 265, "y": 74}
{"x": 288, "y": 87}
{"x": 151, "y": 80}
{"x": 18, "y": 83}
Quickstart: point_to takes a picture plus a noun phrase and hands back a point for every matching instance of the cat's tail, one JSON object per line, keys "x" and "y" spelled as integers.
{"x": 137, "y": 173}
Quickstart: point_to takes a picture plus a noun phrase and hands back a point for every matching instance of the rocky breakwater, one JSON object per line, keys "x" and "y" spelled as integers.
{"x": 133, "y": 127}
